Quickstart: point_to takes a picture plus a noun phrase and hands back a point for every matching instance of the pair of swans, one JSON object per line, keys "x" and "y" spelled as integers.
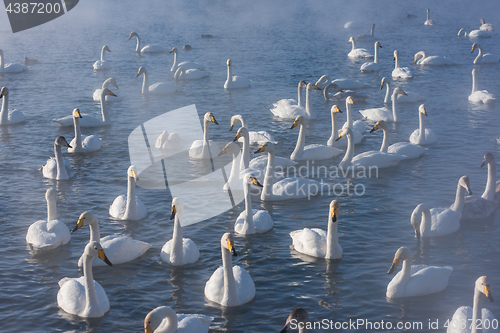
{"x": 163, "y": 319}
{"x": 479, "y": 96}
{"x": 291, "y": 111}
{"x": 422, "y": 59}
{"x": 385, "y": 114}
{"x": 343, "y": 84}
{"x": 415, "y": 280}
{"x": 255, "y": 138}
{"x": 422, "y": 136}
{"x": 429, "y": 21}
{"x": 158, "y": 88}
{"x": 10, "y": 68}
{"x": 129, "y": 206}
{"x": 474, "y": 33}
{"x": 82, "y": 144}
{"x": 205, "y": 149}
{"x": 101, "y": 65}
{"x": 179, "y": 251}
{"x": 120, "y": 249}
{"x": 318, "y": 243}
{"x": 441, "y": 221}
{"x": 366, "y": 37}
{"x": 185, "y": 64}
{"x": 234, "y": 81}
{"x": 189, "y": 74}
{"x": 486, "y": 26}
{"x": 357, "y": 53}
{"x": 9, "y": 117}
{"x": 406, "y": 149}
{"x": 332, "y": 92}
{"x": 299, "y": 318}
{"x": 372, "y": 66}
{"x": 400, "y": 72}
{"x": 50, "y": 233}
{"x": 229, "y": 285}
{"x": 88, "y": 120}
{"x": 407, "y": 97}
{"x": 56, "y": 167}
{"x": 150, "y": 48}
{"x": 481, "y": 58}
{"x": 97, "y": 93}
{"x": 332, "y": 141}
{"x": 169, "y": 142}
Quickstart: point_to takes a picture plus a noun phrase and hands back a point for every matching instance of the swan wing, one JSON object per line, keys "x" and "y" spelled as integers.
{"x": 481, "y": 96}
{"x": 237, "y": 82}
{"x": 260, "y": 162}
{"x": 402, "y": 73}
{"x": 370, "y": 67}
{"x": 406, "y": 149}
{"x": 244, "y": 285}
{"x": 377, "y": 114}
{"x": 462, "y": 315}
{"x": 15, "y": 117}
{"x": 429, "y": 280}
{"x": 14, "y": 68}
{"x": 410, "y": 97}
{"x": 444, "y": 221}
{"x": 290, "y": 112}
{"x": 476, "y": 207}
{"x": 360, "y": 53}
{"x": 162, "y": 88}
{"x": 154, "y": 48}
{"x": 377, "y": 159}
{"x": 190, "y": 65}
{"x": 319, "y": 152}
{"x": 193, "y": 323}
{"x": 295, "y": 188}
{"x": 260, "y": 138}
{"x": 214, "y": 288}
{"x": 120, "y": 249}
{"x": 348, "y": 84}
{"x": 262, "y": 220}
{"x": 71, "y": 297}
{"x": 310, "y": 241}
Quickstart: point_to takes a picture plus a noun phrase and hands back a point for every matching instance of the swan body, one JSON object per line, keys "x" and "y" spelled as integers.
{"x": 357, "y": 126}
{"x": 169, "y": 142}
{"x": 189, "y": 74}
{"x": 332, "y": 92}
{"x": 235, "y": 81}
{"x": 332, "y": 142}
{"x": 10, "y": 68}
{"x": 293, "y": 111}
{"x": 400, "y": 72}
{"x": 83, "y": 296}
{"x": 56, "y": 167}
{"x": 120, "y": 249}
{"x": 477, "y": 316}
{"x": 372, "y": 66}
{"x": 229, "y": 285}
{"x": 9, "y": 117}
{"x": 416, "y": 280}
{"x": 179, "y": 251}
{"x": 385, "y": 114}
{"x": 357, "y": 53}
{"x": 82, "y": 144}
{"x": 422, "y": 59}
{"x": 205, "y": 149}
{"x": 318, "y": 243}
{"x": 290, "y": 101}
{"x": 50, "y": 233}
{"x": 158, "y": 88}
{"x": 101, "y": 65}
{"x": 422, "y": 136}
{"x": 310, "y": 152}
{"x": 343, "y": 84}
{"x": 428, "y": 21}
{"x": 366, "y": 37}
{"x": 185, "y": 64}
{"x": 474, "y": 33}
{"x": 97, "y": 93}
{"x": 150, "y": 48}
{"x": 256, "y": 138}
{"x": 164, "y": 320}
{"x": 479, "y": 96}
{"x": 129, "y": 207}
{"x": 487, "y": 58}
{"x": 486, "y": 26}
{"x": 405, "y": 149}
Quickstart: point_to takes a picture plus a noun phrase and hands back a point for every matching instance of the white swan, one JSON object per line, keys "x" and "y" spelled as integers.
{"x": 372, "y": 66}
{"x": 102, "y": 64}
{"x": 298, "y": 318}
{"x": 150, "y": 48}
{"x": 83, "y": 296}
{"x": 179, "y": 251}
{"x": 366, "y": 37}
{"x": 189, "y": 74}
{"x": 235, "y": 81}
{"x": 310, "y": 152}
{"x": 164, "y": 320}
{"x": 479, "y": 96}
{"x": 97, "y": 93}
{"x": 481, "y": 58}
{"x": 88, "y": 144}
{"x": 286, "y": 188}
{"x": 229, "y": 285}
{"x": 357, "y": 53}
{"x": 205, "y": 149}
{"x": 474, "y": 33}
{"x": 256, "y": 138}
{"x": 407, "y": 97}
{"x": 129, "y": 206}
{"x": 10, "y": 68}
{"x": 88, "y": 120}
{"x": 9, "y": 117}
{"x": 384, "y": 113}
{"x": 184, "y": 64}
{"x": 358, "y": 125}
{"x": 292, "y": 111}
{"x": 480, "y": 207}
{"x": 50, "y": 233}
{"x": 332, "y": 141}
{"x": 290, "y": 101}
{"x": 369, "y": 159}
{"x": 352, "y": 25}
{"x": 422, "y": 59}
{"x": 158, "y": 88}
{"x": 318, "y": 243}
{"x": 343, "y": 84}
{"x": 477, "y": 316}
{"x": 252, "y": 221}
{"x": 422, "y": 136}
{"x": 400, "y": 72}
{"x": 120, "y": 249}
{"x": 415, "y": 280}
{"x": 237, "y": 166}
{"x": 486, "y": 26}
{"x": 405, "y": 149}
{"x": 332, "y": 92}
{"x": 169, "y": 142}
{"x": 56, "y": 167}
{"x": 429, "y": 21}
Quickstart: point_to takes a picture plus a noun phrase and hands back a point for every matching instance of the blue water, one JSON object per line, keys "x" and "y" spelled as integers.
{"x": 275, "y": 44}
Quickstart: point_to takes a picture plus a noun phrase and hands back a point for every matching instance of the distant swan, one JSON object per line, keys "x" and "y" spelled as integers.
{"x": 9, "y": 117}
{"x": 332, "y": 142}
{"x": 358, "y": 125}
{"x": 158, "y": 88}
{"x": 290, "y": 101}
{"x": 102, "y": 64}
{"x": 407, "y": 97}
{"x": 150, "y": 48}
{"x": 343, "y": 84}
{"x": 56, "y": 167}
{"x": 474, "y": 33}
{"x": 235, "y": 81}
{"x": 205, "y": 149}
{"x": 129, "y": 206}
{"x": 366, "y": 37}
{"x": 400, "y": 72}
{"x": 292, "y": 111}
{"x": 422, "y": 59}
{"x": 415, "y": 280}
{"x": 10, "y": 68}
{"x": 256, "y": 138}
{"x": 481, "y": 58}
{"x": 422, "y": 136}
{"x": 88, "y": 144}
{"x": 169, "y": 143}
{"x": 97, "y": 93}
{"x": 332, "y": 92}
{"x": 372, "y": 66}
{"x": 164, "y": 320}
{"x": 185, "y": 64}
{"x": 428, "y": 21}
{"x": 479, "y": 96}
{"x": 486, "y": 26}
{"x": 405, "y": 149}
{"x": 357, "y": 53}
{"x": 384, "y": 113}
{"x": 189, "y": 74}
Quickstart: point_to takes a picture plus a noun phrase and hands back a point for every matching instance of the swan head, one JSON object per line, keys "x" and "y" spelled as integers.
{"x": 323, "y": 81}
{"x": 50, "y": 194}
{"x": 416, "y": 217}
{"x": 242, "y": 132}
{"x": 379, "y": 125}
{"x": 177, "y": 207}
{"x": 346, "y": 131}
{"x": 113, "y": 82}
{"x": 86, "y": 218}
{"x": 298, "y": 315}
{"x": 106, "y": 91}
{"x": 106, "y": 48}
{"x": 155, "y": 317}
{"x": 231, "y": 147}
{"x": 174, "y": 50}
{"x": 422, "y": 109}
{"x": 227, "y": 242}
{"x": 398, "y": 90}
{"x": 402, "y": 253}
{"x": 483, "y": 285}
{"x": 488, "y": 158}
{"x": 460, "y": 32}
{"x": 396, "y": 54}
{"x": 61, "y": 141}
{"x": 132, "y": 172}
{"x": 133, "y": 34}
{"x": 310, "y": 86}
{"x": 302, "y": 84}
{"x": 377, "y": 44}
{"x": 142, "y": 70}
{"x": 4, "y": 92}
{"x": 234, "y": 120}
{"x": 94, "y": 249}
{"x": 76, "y": 113}
{"x": 228, "y": 62}
{"x": 298, "y": 121}
{"x": 464, "y": 182}
{"x": 349, "y": 100}
{"x": 335, "y": 109}
{"x": 383, "y": 82}
{"x": 418, "y": 55}
{"x": 475, "y": 46}
{"x": 334, "y": 207}
{"x": 269, "y": 147}
{"x": 209, "y": 116}
{"x": 351, "y": 40}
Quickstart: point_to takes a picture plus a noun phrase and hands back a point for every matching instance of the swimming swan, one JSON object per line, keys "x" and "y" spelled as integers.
{"x": 290, "y": 101}
{"x": 318, "y": 243}
{"x": 83, "y": 296}
{"x": 400, "y": 72}
{"x": 343, "y": 84}
{"x": 129, "y": 206}
{"x": 332, "y": 142}
{"x": 235, "y": 81}
{"x": 481, "y": 58}
{"x": 357, "y": 53}
{"x": 486, "y": 26}
{"x": 229, "y": 285}
{"x": 158, "y": 88}
{"x": 479, "y": 96}
{"x": 119, "y": 248}
{"x": 422, "y": 59}
{"x": 405, "y": 149}
{"x": 10, "y": 68}
{"x": 474, "y": 33}
{"x": 297, "y": 318}
{"x": 50, "y": 233}
{"x": 97, "y": 93}
{"x": 88, "y": 144}
{"x": 189, "y": 74}
{"x": 150, "y": 48}
{"x": 164, "y": 320}
{"x": 169, "y": 143}
{"x": 310, "y": 152}
{"x": 184, "y": 64}
{"x": 255, "y": 138}
{"x": 407, "y": 97}
{"x": 234, "y": 180}
{"x": 56, "y": 167}
{"x": 102, "y": 64}
{"x": 384, "y": 113}
{"x": 205, "y": 149}
{"x": 9, "y": 117}
{"x": 428, "y": 21}
{"x": 332, "y": 92}
{"x": 366, "y": 37}
{"x": 292, "y": 111}
{"x": 422, "y": 136}
{"x": 372, "y": 66}
{"x": 179, "y": 251}
{"x": 358, "y": 125}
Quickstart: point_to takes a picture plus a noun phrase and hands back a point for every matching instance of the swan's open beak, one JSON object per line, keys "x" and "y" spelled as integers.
{"x": 374, "y": 128}
{"x": 334, "y": 215}
{"x": 148, "y": 329}
{"x": 294, "y": 124}
{"x": 79, "y": 224}
{"x": 238, "y": 135}
{"x": 261, "y": 149}
{"x": 102, "y": 256}
{"x": 174, "y": 211}
{"x": 256, "y": 182}
{"x": 212, "y": 118}
{"x": 487, "y": 292}
{"x": 230, "y": 246}
{"x": 395, "y": 264}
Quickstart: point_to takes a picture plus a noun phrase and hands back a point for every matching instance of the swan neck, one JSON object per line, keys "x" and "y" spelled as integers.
{"x": 332, "y": 240}
{"x": 230, "y": 293}
{"x": 458, "y": 205}
{"x": 174, "y": 66}
{"x": 2, "y": 63}
{"x": 301, "y": 140}
{"x": 145, "y": 83}
{"x": 95, "y": 234}
{"x": 349, "y": 115}
{"x": 131, "y": 205}
{"x": 335, "y": 130}
{"x": 90, "y": 294}
{"x": 397, "y": 61}
{"x": 4, "y": 113}
{"x": 387, "y": 99}
{"x": 104, "y": 107}
{"x": 372, "y": 30}
{"x": 172, "y": 323}
{"x": 243, "y": 122}
{"x": 427, "y": 15}
{"x": 205, "y": 132}
{"x": 138, "y": 45}
{"x": 353, "y": 45}
{"x": 476, "y": 308}
{"x": 61, "y": 167}
{"x": 102, "y": 54}
{"x": 349, "y": 154}
{"x": 421, "y": 122}
{"x": 425, "y": 226}
{"x": 406, "y": 272}
{"x": 78, "y": 133}
{"x": 105, "y": 84}
{"x": 177, "y": 253}
{"x": 308, "y": 103}
{"x": 375, "y": 54}
{"x": 267, "y": 190}
{"x": 51, "y": 210}
{"x": 489, "y": 191}
{"x": 229, "y": 73}
{"x": 479, "y": 55}
{"x": 299, "y": 95}
{"x": 246, "y": 151}
{"x": 385, "y": 141}
{"x": 394, "y": 106}
{"x": 474, "y": 81}
{"x": 248, "y": 208}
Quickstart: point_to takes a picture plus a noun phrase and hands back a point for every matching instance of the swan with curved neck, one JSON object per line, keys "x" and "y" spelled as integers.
{"x": 83, "y": 296}
{"x": 298, "y": 317}
{"x": 256, "y": 138}
{"x": 357, "y": 52}
{"x": 234, "y": 81}
{"x": 292, "y": 111}
{"x": 310, "y": 152}
{"x": 372, "y": 66}
{"x": 428, "y": 21}
{"x": 332, "y": 92}
{"x": 179, "y": 251}
{"x": 185, "y": 64}
{"x": 206, "y": 148}
{"x": 229, "y": 285}
{"x": 332, "y": 141}
{"x": 479, "y": 96}
{"x": 343, "y": 84}
{"x": 158, "y": 88}
{"x": 383, "y": 113}
{"x": 474, "y": 33}
{"x": 408, "y": 150}
{"x": 422, "y": 136}
{"x": 97, "y": 93}
{"x": 422, "y": 59}
{"x": 481, "y": 58}
{"x": 129, "y": 207}
{"x": 9, "y": 117}
{"x": 358, "y": 125}
{"x": 150, "y": 48}
{"x": 400, "y": 72}
{"x": 102, "y": 64}
{"x": 56, "y": 167}
{"x": 88, "y": 144}
{"x": 163, "y": 319}
{"x": 10, "y": 68}
{"x": 234, "y": 180}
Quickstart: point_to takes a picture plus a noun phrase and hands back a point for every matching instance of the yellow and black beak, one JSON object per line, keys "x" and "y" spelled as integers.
{"x": 261, "y": 149}
{"x": 340, "y": 137}
{"x": 424, "y": 111}
{"x": 294, "y": 124}
{"x": 238, "y": 135}
{"x": 138, "y": 73}
{"x": 487, "y": 292}
{"x": 395, "y": 264}
{"x": 374, "y": 128}
{"x": 316, "y": 87}
{"x": 382, "y": 85}
{"x": 256, "y": 182}
{"x": 351, "y": 101}
{"x": 134, "y": 174}
{"x": 402, "y": 92}
{"x": 174, "y": 211}
{"x": 2, "y": 94}
{"x": 79, "y": 224}
{"x": 230, "y": 246}
{"x": 212, "y": 118}
{"x": 338, "y": 109}
{"x": 172, "y": 51}
{"x": 148, "y": 329}
{"x": 112, "y": 94}
{"x": 232, "y": 125}
{"x": 334, "y": 215}
{"x": 102, "y": 256}
{"x": 79, "y": 114}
